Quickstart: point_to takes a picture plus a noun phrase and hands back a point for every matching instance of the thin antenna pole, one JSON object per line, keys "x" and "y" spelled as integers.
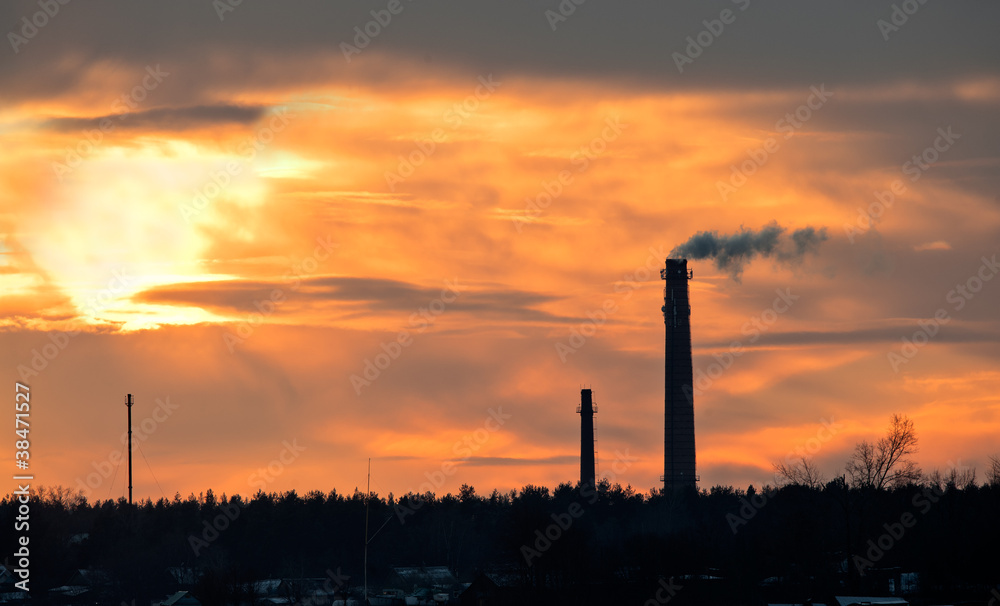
{"x": 367, "y": 496}
{"x": 128, "y": 404}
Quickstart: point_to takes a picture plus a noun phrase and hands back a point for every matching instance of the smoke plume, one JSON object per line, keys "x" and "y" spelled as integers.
{"x": 733, "y": 251}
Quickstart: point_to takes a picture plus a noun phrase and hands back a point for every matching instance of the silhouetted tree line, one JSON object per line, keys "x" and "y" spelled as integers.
{"x": 722, "y": 545}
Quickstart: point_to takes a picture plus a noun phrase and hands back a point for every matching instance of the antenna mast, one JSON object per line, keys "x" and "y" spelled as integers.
{"x": 128, "y": 404}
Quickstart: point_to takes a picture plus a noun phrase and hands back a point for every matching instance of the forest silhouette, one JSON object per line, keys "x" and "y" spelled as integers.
{"x": 573, "y": 544}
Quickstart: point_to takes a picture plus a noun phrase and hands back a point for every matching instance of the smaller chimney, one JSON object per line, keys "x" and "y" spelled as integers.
{"x": 586, "y": 409}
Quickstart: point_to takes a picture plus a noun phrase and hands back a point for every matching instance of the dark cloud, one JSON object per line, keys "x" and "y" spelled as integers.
{"x": 164, "y": 118}
{"x": 768, "y": 45}
{"x": 368, "y": 294}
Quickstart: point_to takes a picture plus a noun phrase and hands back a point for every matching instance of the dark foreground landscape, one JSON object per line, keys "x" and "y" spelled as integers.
{"x": 933, "y": 542}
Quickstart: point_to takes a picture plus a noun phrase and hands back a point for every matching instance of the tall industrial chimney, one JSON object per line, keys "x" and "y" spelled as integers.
{"x": 587, "y": 410}
{"x": 678, "y": 428}
{"x": 128, "y": 403}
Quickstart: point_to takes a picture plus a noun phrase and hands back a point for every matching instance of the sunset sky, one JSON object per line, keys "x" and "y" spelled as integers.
{"x": 236, "y": 212}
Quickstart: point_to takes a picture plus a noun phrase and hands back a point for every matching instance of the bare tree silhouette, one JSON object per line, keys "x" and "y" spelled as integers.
{"x": 801, "y": 473}
{"x": 885, "y": 463}
{"x": 993, "y": 475}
